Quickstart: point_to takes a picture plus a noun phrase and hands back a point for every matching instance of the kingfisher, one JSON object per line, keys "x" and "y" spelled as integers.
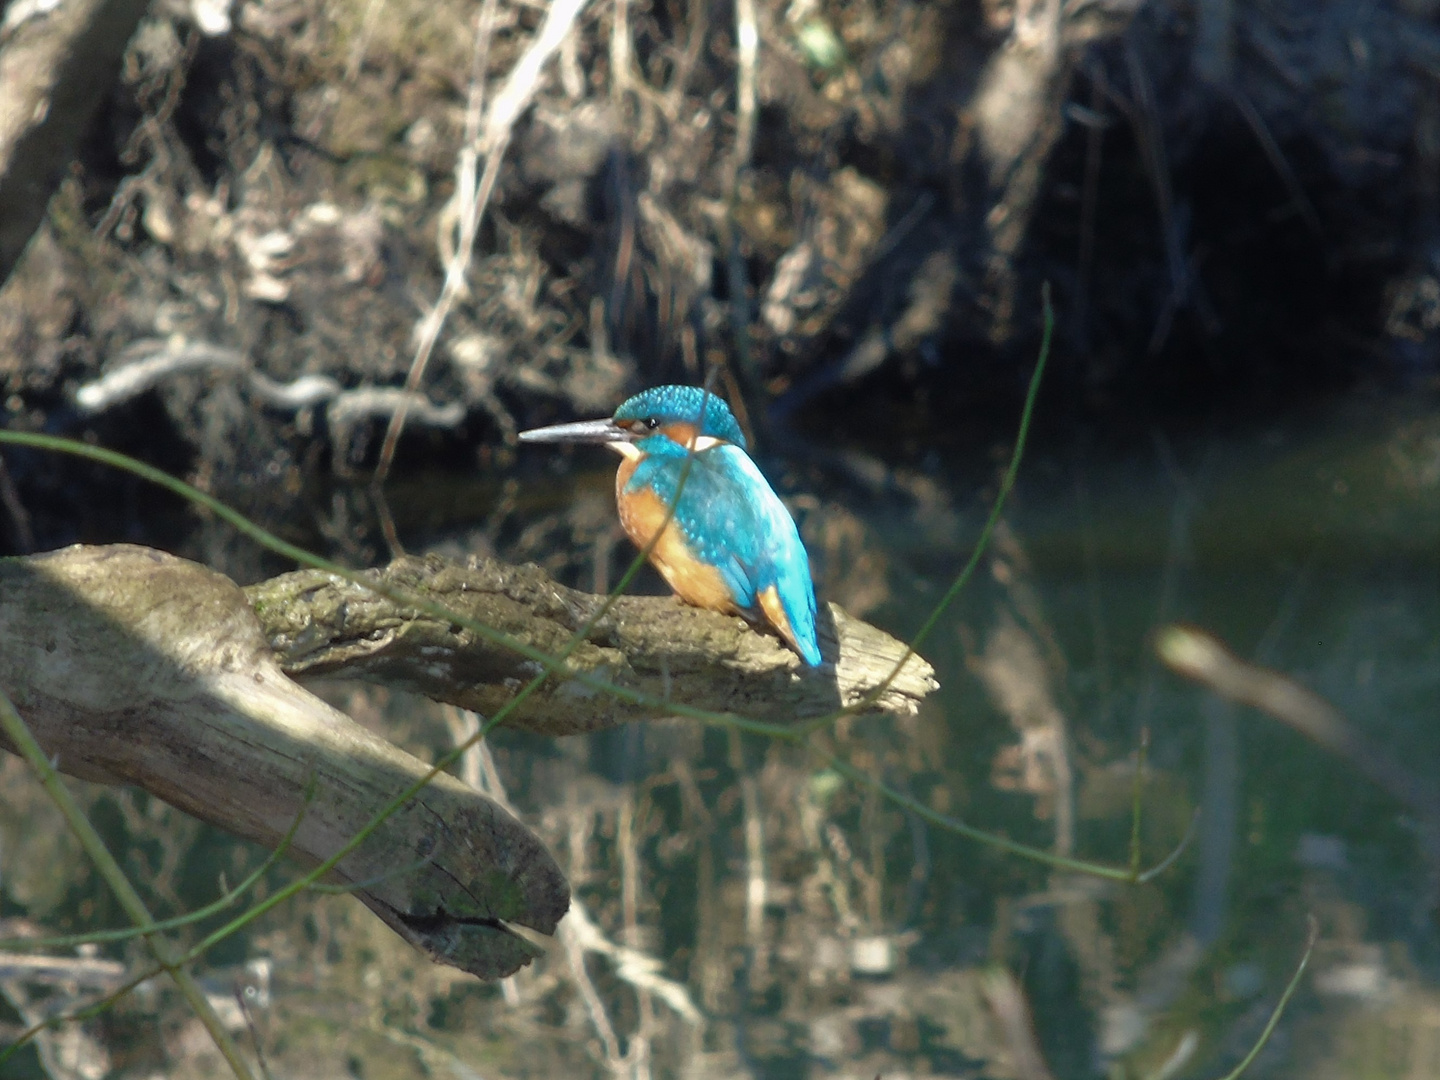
{"x": 730, "y": 545}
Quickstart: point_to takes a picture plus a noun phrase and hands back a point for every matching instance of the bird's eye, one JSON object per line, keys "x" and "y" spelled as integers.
{"x": 651, "y": 424}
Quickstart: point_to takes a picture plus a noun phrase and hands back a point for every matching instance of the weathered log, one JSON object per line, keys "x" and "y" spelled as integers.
{"x": 55, "y": 69}
{"x": 133, "y": 666}
{"x": 322, "y": 624}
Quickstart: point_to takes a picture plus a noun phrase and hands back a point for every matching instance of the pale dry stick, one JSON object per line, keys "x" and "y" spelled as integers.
{"x": 644, "y": 1037}
{"x": 673, "y": 95}
{"x": 572, "y": 939}
{"x": 579, "y": 935}
{"x": 1037, "y": 24}
{"x": 639, "y": 969}
{"x": 147, "y": 362}
{"x": 1200, "y": 656}
{"x": 456, "y": 260}
{"x": 151, "y": 128}
{"x": 481, "y": 763}
{"x": 572, "y": 79}
{"x": 620, "y": 52}
{"x": 1089, "y": 201}
{"x": 625, "y": 77}
{"x": 455, "y": 217}
{"x": 361, "y": 45}
{"x": 747, "y": 53}
{"x": 755, "y": 878}
{"x": 629, "y": 872}
{"x": 19, "y": 516}
{"x": 472, "y": 198}
{"x": 464, "y": 725}
{"x": 1278, "y": 161}
{"x": 1007, "y": 1000}
{"x": 639, "y": 1049}
{"x": 477, "y": 768}
{"x": 53, "y": 1048}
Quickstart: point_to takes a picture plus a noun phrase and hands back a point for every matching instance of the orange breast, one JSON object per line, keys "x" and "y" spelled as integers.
{"x": 642, "y": 515}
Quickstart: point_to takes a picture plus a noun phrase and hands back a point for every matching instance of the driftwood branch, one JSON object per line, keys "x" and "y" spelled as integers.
{"x": 132, "y": 666}
{"x": 321, "y": 624}
{"x": 55, "y": 69}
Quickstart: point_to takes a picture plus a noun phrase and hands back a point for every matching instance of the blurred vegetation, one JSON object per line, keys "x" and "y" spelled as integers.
{"x": 1236, "y": 205}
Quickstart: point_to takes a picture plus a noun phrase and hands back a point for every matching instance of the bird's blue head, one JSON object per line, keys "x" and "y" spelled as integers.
{"x": 674, "y": 409}
{"x": 665, "y": 421}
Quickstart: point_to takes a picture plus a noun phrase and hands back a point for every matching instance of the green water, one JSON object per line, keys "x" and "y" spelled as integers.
{"x": 786, "y": 924}
{"x": 1312, "y": 547}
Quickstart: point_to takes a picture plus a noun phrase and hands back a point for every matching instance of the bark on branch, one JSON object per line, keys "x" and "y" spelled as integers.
{"x": 320, "y": 624}
{"x": 133, "y": 666}
{"x": 55, "y": 69}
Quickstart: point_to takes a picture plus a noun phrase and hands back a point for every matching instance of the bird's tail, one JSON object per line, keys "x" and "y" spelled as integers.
{"x": 794, "y": 620}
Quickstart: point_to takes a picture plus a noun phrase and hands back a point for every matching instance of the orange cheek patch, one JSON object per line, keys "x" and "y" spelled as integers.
{"x": 680, "y": 433}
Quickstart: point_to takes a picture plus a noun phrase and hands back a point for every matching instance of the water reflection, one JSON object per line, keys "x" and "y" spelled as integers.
{"x": 887, "y": 946}
{"x": 750, "y": 913}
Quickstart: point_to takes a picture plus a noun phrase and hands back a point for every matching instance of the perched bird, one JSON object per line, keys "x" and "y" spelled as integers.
{"x": 730, "y": 545}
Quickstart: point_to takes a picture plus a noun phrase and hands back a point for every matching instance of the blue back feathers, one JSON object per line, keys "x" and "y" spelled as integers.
{"x": 730, "y": 516}
{"x": 683, "y": 405}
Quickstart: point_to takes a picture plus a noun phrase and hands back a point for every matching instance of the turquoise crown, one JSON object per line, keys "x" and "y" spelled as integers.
{"x": 682, "y": 405}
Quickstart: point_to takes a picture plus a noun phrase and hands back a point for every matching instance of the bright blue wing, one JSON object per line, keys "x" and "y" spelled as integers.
{"x": 781, "y": 559}
{"x": 734, "y": 521}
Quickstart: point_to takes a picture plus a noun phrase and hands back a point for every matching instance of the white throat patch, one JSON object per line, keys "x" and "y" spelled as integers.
{"x": 631, "y": 452}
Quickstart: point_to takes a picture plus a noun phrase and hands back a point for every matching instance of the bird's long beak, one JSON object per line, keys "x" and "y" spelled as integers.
{"x": 586, "y": 431}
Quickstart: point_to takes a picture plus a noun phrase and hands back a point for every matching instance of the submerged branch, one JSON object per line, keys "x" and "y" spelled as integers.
{"x": 1200, "y": 656}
